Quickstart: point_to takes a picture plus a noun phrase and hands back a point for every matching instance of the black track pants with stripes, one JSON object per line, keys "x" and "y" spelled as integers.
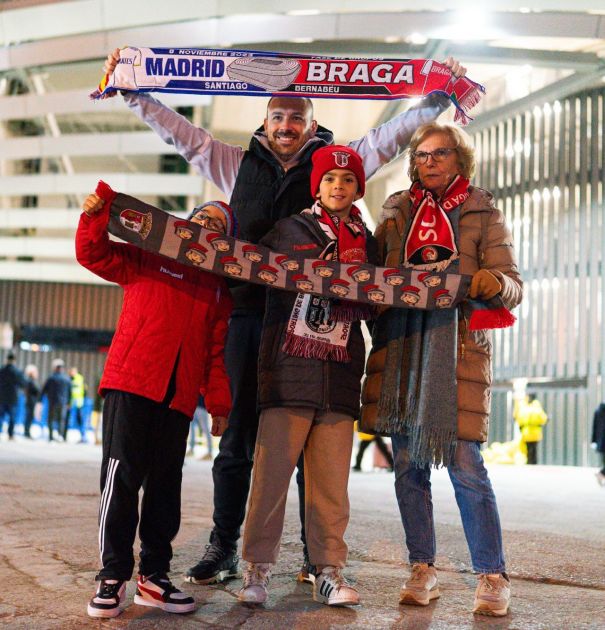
{"x": 144, "y": 446}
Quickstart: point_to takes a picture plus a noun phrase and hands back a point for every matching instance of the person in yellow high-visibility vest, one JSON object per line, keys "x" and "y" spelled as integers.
{"x": 531, "y": 417}
{"x": 76, "y": 402}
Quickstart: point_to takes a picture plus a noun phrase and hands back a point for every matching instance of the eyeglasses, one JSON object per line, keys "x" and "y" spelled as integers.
{"x": 438, "y": 155}
{"x": 208, "y": 222}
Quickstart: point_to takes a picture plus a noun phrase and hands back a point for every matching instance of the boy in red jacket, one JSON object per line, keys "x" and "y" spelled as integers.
{"x": 168, "y": 347}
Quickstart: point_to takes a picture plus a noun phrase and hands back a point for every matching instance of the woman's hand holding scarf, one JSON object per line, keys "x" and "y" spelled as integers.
{"x": 484, "y": 285}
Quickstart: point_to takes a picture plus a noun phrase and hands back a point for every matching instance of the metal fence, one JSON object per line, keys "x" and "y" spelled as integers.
{"x": 61, "y": 305}
{"x": 545, "y": 168}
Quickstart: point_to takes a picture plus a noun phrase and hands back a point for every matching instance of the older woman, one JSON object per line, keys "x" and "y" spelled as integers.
{"x": 429, "y": 375}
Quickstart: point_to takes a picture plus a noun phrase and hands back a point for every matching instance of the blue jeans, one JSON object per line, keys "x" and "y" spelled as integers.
{"x": 475, "y": 499}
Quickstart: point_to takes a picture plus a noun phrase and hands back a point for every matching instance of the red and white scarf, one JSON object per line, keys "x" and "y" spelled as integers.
{"x": 319, "y": 327}
{"x": 431, "y": 243}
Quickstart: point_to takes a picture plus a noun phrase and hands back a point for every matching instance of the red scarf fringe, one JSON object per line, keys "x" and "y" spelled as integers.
{"x": 488, "y": 318}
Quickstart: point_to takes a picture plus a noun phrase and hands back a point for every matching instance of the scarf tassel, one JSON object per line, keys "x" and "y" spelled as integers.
{"x": 432, "y": 446}
{"x": 351, "y": 313}
{"x": 488, "y": 318}
{"x": 466, "y": 102}
{"x": 312, "y": 349}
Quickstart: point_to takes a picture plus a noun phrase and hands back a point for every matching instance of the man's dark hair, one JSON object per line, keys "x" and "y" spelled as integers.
{"x": 11, "y": 356}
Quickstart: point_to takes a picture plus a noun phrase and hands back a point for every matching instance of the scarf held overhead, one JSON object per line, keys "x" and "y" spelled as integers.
{"x": 257, "y": 73}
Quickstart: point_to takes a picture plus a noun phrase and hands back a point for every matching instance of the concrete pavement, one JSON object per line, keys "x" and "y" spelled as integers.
{"x": 553, "y": 520}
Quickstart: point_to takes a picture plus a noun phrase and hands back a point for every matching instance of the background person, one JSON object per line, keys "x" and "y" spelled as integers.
{"x": 365, "y": 440}
{"x": 11, "y": 381}
{"x": 445, "y": 365}
{"x": 598, "y": 439}
{"x": 76, "y": 402}
{"x": 265, "y": 183}
{"x": 32, "y": 396}
{"x": 200, "y": 422}
{"x": 531, "y": 417}
{"x": 57, "y": 390}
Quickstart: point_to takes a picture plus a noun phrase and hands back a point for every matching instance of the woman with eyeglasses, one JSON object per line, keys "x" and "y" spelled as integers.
{"x": 429, "y": 376}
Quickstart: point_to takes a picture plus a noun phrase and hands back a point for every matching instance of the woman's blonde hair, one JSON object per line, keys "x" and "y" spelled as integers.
{"x": 461, "y": 142}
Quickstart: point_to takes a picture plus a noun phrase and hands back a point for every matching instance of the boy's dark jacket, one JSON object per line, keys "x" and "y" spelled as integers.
{"x": 288, "y": 381}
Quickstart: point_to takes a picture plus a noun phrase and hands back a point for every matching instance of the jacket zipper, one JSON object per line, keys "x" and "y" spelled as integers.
{"x": 462, "y": 328}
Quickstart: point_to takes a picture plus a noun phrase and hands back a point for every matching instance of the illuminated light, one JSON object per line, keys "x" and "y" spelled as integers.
{"x": 526, "y": 68}
{"x": 35, "y": 347}
{"x": 527, "y": 147}
{"x": 546, "y": 194}
{"x": 536, "y": 196}
{"x": 535, "y": 284}
{"x": 518, "y": 146}
{"x": 302, "y": 40}
{"x": 510, "y": 152}
{"x": 517, "y": 223}
{"x": 524, "y": 10}
{"x": 545, "y": 284}
{"x": 557, "y": 107}
{"x": 556, "y": 192}
{"x": 555, "y": 284}
{"x": 537, "y": 112}
{"x": 547, "y": 109}
{"x": 392, "y": 39}
{"x": 417, "y": 38}
{"x": 300, "y": 12}
{"x": 414, "y": 101}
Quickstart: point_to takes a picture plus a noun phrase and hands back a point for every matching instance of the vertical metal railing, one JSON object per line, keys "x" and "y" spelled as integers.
{"x": 545, "y": 168}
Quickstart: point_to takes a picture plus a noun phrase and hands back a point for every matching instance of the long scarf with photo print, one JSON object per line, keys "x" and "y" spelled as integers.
{"x": 263, "y": 73}
{"x": 157, "y": 231}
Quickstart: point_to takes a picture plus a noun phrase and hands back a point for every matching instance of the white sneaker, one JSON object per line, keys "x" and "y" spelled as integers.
{"x": 108, "y": 600}
{"x": 256, "y": 580}
{"x": 421, "y": 586}
{"x": 492, "y": 595}
{"x": 332, "y": 588}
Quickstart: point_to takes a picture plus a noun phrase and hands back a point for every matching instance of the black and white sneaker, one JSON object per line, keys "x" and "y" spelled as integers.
{"x": 217, "y": 565}
{"x": 332, "y": 588}
{"x": 158, "y": 591}
{"x": 108, "y": 599}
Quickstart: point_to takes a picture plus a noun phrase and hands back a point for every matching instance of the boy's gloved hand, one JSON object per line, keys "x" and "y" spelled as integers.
{"x": 219, "y": 425}
{"x": 484, "y": 285}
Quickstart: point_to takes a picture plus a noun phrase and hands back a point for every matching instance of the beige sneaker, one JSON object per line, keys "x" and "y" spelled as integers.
{"x": 256, "y": 580}
{"x": 492, "y": 595}
{"x": 421, "y": 586}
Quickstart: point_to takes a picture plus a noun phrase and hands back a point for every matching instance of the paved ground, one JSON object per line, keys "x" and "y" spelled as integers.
{"x": 553, "y": 520}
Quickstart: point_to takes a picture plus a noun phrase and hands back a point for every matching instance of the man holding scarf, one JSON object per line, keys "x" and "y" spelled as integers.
{"x": 429, "y": 373}
{"x": 267, "y": 182}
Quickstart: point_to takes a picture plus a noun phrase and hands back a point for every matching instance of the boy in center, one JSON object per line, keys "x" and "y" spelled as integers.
{"x": 309, "y": 387}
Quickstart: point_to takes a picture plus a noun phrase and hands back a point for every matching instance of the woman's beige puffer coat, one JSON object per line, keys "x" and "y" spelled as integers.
{"x": 493, "y": 252}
